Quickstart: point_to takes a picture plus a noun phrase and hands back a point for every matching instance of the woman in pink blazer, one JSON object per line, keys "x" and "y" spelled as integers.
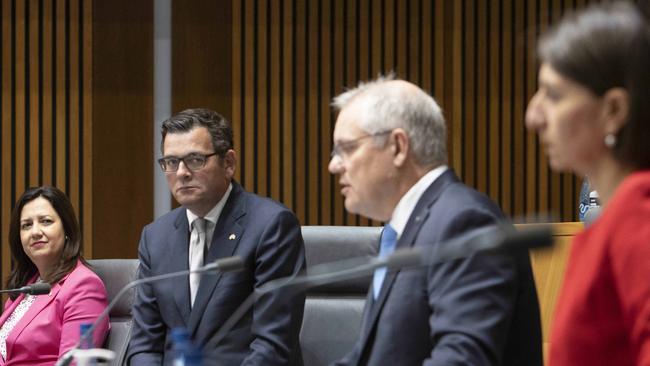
{"x": 44, "y": 238}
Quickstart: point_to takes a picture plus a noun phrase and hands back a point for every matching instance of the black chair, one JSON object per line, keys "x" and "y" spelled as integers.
{"x": 117, "y": 273}
{"x": 332, "y": 318}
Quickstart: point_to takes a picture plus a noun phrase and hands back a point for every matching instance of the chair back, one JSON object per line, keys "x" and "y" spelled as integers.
{"x": 332, "y": 318}
{"x": 116, "y": 274}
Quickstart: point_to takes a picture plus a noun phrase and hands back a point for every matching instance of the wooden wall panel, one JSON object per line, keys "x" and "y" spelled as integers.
{"x": 122, "y": 130}
{"x": 289, "y": 59}
{"x": 46, "y": 75}
{"x": 476, "y": 57}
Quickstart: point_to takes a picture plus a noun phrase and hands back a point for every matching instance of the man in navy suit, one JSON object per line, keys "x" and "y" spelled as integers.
{"x": 217, "y": 219}
{"x": 389, "y": 152}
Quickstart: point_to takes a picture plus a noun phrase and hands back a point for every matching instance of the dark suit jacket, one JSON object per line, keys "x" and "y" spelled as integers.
{"x": 481, "y": 310}
{"x": 267, "y": 237}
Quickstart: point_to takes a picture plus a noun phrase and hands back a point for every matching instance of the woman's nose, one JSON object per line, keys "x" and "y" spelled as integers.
{"x": 534, "y": 114}
{"x": 36, "y": 231}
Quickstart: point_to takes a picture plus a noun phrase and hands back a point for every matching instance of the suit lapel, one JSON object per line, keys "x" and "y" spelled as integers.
{"x": 226, "y": 236}
{"x": 39, "y": 304}
{"x": 411, "y": 230}
{"x": 178, "y": 242}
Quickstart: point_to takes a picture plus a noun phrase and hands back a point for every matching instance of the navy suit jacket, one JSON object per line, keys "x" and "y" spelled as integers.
{"x": 481, "y": 310}
{"x": 267, "y": 236}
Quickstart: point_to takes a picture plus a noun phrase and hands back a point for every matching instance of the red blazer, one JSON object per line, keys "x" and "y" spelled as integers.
{"x": 603, "y": 312}
{"x": 51, "y": 325}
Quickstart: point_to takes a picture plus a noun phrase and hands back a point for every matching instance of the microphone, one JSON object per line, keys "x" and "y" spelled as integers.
{"x": 228, "y": 264}
{"x": 41, "y": 288}
{"x": 499, "y": 238}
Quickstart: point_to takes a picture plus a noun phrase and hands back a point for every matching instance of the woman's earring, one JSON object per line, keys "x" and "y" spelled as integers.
{"x": 610, "y": 140}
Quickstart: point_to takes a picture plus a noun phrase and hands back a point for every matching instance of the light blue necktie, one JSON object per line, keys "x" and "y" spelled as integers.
{"x": 386, "y": 247}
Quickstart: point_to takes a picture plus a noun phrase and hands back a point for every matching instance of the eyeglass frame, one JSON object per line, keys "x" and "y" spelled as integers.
{"x": 205, "y": 157}
{"x": 337, "y": 149}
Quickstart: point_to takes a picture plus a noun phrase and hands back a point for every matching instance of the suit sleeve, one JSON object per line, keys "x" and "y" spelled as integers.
{"x": 471, "y": 300}
{"x": 148, "y": 340}
{"x": 85, "y": 300}
{"x": 277, "y": 316}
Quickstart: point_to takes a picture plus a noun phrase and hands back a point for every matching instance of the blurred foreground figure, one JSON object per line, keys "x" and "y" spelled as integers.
{"x": 592, "y": 114}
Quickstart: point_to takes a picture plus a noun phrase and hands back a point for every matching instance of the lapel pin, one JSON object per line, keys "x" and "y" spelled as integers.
{"x": 232, "y": 237}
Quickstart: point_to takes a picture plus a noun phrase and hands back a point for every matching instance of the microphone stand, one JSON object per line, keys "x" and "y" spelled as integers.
{"x": 487, "y": 239}
{"x": 222, "y": 265}
{"x": 34, "y": 289}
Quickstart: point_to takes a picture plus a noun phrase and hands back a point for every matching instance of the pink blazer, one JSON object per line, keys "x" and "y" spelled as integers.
{"x": 51, "y": 325}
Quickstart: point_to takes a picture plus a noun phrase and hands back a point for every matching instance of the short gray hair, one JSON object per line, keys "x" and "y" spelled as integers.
{"x": 385, "y": 108}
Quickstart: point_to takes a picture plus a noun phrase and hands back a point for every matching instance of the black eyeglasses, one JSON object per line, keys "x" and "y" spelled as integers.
{"x": 347, "y": 147}
{"x": 193, "y": 161}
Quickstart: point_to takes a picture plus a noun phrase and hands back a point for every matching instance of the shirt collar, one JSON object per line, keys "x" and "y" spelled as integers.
{"x": 407, "y": 203}
{"x": 213, "y": 215}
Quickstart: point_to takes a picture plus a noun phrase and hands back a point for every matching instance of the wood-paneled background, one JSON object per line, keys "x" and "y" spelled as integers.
{"x": 46, "y": 110}
{"x": 77, "y": 88}
{"x": 289, "y": 58}
{"x": 76, "y": 113}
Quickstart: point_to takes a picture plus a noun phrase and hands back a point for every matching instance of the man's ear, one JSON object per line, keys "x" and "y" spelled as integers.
{"x": 230, "y": 162}
{"x": 616, "y": 109}
{"x": 401, "y": 146}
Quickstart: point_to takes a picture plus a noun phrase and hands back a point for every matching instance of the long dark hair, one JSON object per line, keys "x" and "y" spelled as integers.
{"x": 607, "y": 46}
{"x": 24, "y": 269}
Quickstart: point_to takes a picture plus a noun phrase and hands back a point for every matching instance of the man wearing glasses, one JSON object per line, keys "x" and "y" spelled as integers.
{"x": 390, "y": 156}
{"x": 217, "y": 219}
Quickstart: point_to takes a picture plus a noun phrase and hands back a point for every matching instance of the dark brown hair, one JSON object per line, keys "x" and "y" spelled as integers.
{"x": 24, "y": 269}
{"x": 607, "y": 46}
{"x": 187, "y": 120}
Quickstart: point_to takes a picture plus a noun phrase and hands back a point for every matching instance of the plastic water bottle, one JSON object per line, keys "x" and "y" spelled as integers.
{"x": 184, "y": 352}
{"x": 87, "y": 342}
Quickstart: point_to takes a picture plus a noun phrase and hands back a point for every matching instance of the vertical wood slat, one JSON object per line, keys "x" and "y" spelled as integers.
{"x": 48, "y": 92}
{"x": 313, "y": 120}
{"x": 505, "y": 71}
{"x": 73, "y": 99}
{"x": 237, "y": 81}
{"x": 247, "y": 122}
{"x": 495, "y": 101}
{"x": 261, "y": 113}
{"x": 456, "y": 147}
{"x": 275, "y": 97}
{"x": 519, "y": 132}
{"x": 301, "y": 38}
{"x": 60, "y": 100}
{"x": 288, "y": 103}
{"x": 323, "y": 191}
{"x": 476, "y": 57}
{"x": 86, "y": 116}
{"x": 469, "y": 106}
{"x": 6, "y": 196}
{"x": 34, "y": 88}
{"x": 19, "y": 97}
{"x": 44, "y": 76}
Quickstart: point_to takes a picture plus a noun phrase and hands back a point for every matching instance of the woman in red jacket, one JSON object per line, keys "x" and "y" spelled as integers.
{"x": 592, "y": 115}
